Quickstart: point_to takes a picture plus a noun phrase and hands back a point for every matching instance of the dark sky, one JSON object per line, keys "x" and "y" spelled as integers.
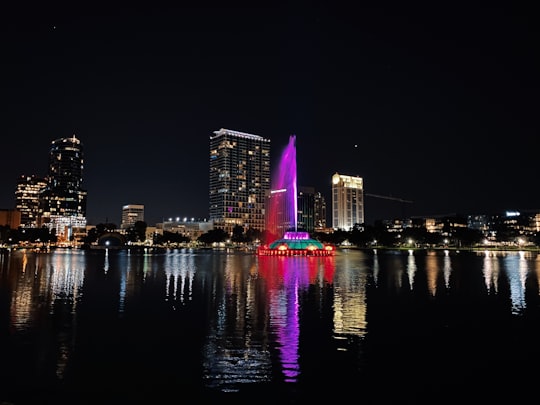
{"x": 437, "y": 106}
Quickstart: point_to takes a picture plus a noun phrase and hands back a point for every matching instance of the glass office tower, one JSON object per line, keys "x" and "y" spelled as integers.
{"x": 64, "y": 199}
{"x": 239, "y": 180}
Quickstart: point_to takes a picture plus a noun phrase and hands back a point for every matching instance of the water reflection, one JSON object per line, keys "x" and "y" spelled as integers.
{"x": 180, "y": 271}
{"x": 56, "y": 279}
{"x": 237, "y": 350}
{"x": 246, "y": 320}
{"x": 516, "y": 270}
{"x": 432, "y": 271}
{"x": 375, "y": 266}
{"x": 491, "y": 272}
{"x": 411, "y": 268}
{"x": 286, "y": 277}
{"x": 106, "y": 264}
{"x": 390, "y": 273}
{"x": 447, "y": 268}
{"x": 47, "y": 284}
{"x": 349, "y": 304}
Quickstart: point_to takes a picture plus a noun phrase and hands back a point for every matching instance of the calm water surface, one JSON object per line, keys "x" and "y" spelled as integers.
{"x": 197, "y": 326}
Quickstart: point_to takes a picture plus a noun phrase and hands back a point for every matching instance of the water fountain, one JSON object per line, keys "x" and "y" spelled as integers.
{"x": 283, "y": 213}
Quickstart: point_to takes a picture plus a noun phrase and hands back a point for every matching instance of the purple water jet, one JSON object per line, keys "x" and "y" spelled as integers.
{"x": 282, "y": 215}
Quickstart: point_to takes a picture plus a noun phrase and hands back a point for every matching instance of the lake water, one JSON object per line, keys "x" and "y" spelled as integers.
{"x": 202, "y": 326}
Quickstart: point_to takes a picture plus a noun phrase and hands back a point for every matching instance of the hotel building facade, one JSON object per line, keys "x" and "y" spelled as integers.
{"x": 347, "y": 201}
{"x": 239, "y": 180}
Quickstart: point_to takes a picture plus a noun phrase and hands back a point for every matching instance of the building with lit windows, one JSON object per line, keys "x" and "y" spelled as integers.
{"x": 63, "y": 199}
{"x": 239, "y": 180}
{"x": 347, "y": 201}
{"x": 189, "y": 228}
{"x": 28, "y": 197}
{"x": 131, "y": 213}
{"x": 310, "y": 211}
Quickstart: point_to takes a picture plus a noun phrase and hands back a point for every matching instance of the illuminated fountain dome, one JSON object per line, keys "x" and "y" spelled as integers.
{"x": 296, "y": 244}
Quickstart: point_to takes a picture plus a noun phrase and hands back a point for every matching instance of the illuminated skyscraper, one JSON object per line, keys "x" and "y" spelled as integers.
{"x": 239, "y": 180}
{"x": 131, "y": 213}
{"x": 27, "y": 197}
{"x": 347, "y": 201}
{"x": 63, "y": 199}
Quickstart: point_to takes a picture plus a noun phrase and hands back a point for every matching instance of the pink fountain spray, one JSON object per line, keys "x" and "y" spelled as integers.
{"x": 282, "y": 220}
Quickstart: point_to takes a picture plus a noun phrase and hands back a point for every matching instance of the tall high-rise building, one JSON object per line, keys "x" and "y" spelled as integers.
{"x": 347, "y": 201}
{"x": 131, "y": 213}
{"x": 64, "y": 199}
{"x": 320, "y": 210}
{"x": 310, "y": 206}
{"x": 239, "y": 180}
{"x": 27, "y": 199}
{"x": 306, "y": 208}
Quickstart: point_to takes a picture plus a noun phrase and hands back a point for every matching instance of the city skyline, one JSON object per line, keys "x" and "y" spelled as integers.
{"x": 437, "y": 107}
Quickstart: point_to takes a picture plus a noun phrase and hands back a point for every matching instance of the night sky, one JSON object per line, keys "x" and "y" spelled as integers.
{"x": 432, "y": 105}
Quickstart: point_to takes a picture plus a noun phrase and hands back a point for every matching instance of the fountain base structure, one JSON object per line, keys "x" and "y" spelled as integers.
{"x": 284, "y": 202}
{"x": 296, "y": 244}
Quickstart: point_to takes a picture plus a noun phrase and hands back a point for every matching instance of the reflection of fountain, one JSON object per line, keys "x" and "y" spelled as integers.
{"x": 286, "y": 279}
{"x": 282, "y": 214}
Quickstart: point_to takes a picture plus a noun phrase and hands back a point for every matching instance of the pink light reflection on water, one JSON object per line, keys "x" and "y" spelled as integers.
{"x": 287, "y": 278}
